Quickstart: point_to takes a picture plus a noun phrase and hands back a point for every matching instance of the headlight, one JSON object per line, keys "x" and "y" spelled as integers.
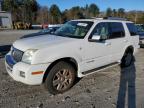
{"x": 27, "y": 57}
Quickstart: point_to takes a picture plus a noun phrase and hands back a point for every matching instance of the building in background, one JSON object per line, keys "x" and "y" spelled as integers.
{"x": 5, "y": 18}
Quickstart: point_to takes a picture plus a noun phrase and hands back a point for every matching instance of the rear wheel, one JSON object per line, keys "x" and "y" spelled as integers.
{"x": 60, "y": 78}
{"x": 127, "y": 59}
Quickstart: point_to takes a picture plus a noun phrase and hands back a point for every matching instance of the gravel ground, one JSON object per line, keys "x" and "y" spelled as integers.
{"x": 111, "y": 88}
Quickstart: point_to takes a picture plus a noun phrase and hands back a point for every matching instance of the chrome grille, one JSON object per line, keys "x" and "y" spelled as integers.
{"x": 16, "y": 54}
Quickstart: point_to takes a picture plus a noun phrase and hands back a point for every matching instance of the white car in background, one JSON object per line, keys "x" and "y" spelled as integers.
{"x": 140, "y": 30}
{"x": 78, "y": 48}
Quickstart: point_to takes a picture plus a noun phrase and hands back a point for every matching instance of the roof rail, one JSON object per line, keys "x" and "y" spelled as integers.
{"x": 99, "y": 18}
{"x": 109, "y": 18}
{"x": 115, "y": 18}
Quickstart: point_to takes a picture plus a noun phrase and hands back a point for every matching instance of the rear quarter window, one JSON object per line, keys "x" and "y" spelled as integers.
{"x": 132, "y": 29}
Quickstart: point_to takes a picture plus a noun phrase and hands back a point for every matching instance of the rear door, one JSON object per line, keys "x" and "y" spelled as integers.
{"x": 117, "y": 39}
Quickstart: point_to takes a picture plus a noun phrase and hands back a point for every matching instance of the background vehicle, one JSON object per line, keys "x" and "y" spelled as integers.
{"x": 140, "y": 29}
{"x": 22, "y": 25}
{"x": 78, "y": 48}
{"x": 4, "y": 49}
{"x": 49, "y": 30}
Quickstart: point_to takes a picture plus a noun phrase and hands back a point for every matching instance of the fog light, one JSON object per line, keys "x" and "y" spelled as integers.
{"x": 22, "y": 74}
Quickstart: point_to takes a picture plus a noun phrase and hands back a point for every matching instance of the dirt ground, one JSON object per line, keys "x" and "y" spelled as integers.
{"x": 111, "y": 88}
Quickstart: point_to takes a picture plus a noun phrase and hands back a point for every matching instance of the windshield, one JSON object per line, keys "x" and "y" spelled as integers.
{"x": 74, "y": 29}
{"x": 140, "y": 28}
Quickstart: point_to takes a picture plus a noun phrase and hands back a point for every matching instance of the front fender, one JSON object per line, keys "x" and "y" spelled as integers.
{"x": 43, "y": 58}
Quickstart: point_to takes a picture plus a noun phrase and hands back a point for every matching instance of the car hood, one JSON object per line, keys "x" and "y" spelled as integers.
{"x": 41, "y": 41}
{"x": 37, "y": 34}
{"x": 33, "y": 35}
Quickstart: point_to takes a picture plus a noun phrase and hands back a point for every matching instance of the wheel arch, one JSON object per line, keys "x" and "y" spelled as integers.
{"x": 69, "y": 60}
{"x": 129, "y": 48}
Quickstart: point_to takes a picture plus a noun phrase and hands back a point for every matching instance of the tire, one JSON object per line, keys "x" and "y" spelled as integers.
{"x": 127, "y": 59}
{"x": 60, "y": 78}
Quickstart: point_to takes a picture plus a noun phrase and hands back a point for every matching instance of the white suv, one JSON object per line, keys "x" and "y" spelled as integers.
{"x": 77, "y": 49}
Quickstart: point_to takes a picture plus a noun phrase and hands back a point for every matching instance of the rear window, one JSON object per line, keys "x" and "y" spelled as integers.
{"x": 132, "y": 29}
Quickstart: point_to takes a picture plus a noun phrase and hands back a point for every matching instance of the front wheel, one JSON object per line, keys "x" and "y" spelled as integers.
{"x": 127, "y": 59}
{"x": 60, "y": 78}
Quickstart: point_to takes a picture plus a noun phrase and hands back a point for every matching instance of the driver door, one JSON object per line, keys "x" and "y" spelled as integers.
{"x": 97, "y": 52}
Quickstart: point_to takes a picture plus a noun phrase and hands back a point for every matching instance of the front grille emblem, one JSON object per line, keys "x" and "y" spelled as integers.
{"x": 16, "y": 54}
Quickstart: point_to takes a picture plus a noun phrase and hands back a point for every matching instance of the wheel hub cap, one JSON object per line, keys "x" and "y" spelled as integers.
{"x": 62, "y": 79}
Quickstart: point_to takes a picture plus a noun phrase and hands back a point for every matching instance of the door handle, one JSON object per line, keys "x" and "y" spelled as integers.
{"x": 125, "y": 40}
{"x": 107, "y": 43}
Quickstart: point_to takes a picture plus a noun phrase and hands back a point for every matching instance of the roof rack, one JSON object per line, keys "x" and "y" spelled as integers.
{"x": 115, "y": 18}
{"x": 109, "y": 18}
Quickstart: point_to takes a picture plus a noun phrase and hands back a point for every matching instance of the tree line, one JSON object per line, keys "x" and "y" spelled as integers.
{"x": 31, "y": 11}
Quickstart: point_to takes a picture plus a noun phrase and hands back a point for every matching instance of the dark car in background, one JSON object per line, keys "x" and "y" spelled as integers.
{"x": 49, "y": 30}
{"x": 4, "y": 50}
{"x": 140, "y": 30}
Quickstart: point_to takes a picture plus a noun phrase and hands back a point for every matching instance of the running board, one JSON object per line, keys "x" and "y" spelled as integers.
{"x": 100, "y": 68}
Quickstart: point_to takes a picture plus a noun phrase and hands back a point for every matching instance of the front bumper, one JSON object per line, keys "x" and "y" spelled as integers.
{"x": 15, "y": 69}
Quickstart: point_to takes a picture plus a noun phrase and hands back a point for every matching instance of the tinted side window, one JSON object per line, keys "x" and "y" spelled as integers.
{"x": 116, "y": 30}
{"x": 101, "y": 29}
{"x": 132, "y": 29}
